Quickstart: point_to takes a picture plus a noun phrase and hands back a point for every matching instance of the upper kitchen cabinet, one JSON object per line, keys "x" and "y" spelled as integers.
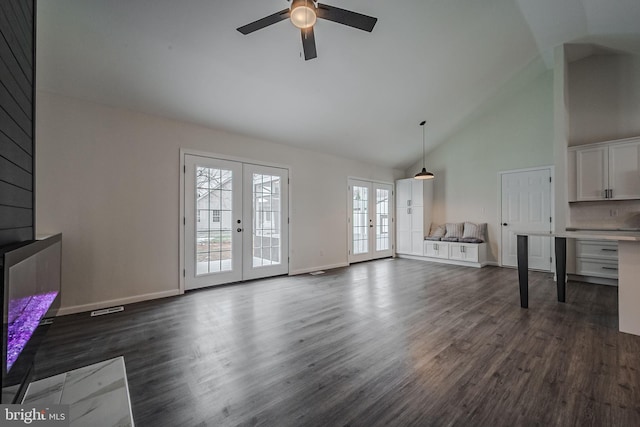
{"x": 605, "y": 171}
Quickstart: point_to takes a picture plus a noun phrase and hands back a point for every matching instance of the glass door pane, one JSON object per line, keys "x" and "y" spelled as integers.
{"x": 266, "y": 218}
{"x": 382, "y": 219}
{"x": 360, "y": 220}
{"x": 267, "y": 211}
{"x": 213, "y": 220}
{"x": 213, "y": 206}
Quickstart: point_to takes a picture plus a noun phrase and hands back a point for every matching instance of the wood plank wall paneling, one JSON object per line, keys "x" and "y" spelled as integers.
{"x": 17, "y": 146}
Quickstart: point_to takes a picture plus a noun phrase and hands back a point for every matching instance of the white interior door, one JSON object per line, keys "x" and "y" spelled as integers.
{"x": 265, "y": 230}
{"x": 526, "y": 207}
{"x": 370, "y": 220}
{"x": 236, "y": 221}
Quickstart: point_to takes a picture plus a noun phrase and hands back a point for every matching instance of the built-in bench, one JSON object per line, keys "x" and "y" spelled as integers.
{"x": 446, "y": 245}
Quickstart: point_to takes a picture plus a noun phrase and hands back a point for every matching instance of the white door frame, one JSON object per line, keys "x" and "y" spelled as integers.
{"x": 392, "y": 216}
{"x": 551, "y": 170}
{"x": 182, "y": 218}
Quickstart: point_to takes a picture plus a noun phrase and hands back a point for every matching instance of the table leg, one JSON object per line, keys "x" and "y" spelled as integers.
{"x": 561, "y": 268}
{"x": 523, "y": 269}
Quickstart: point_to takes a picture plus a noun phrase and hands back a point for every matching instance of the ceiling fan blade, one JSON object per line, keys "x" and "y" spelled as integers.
{"x": 308, "y": 43}
{"x": 346, "y": 17}
{"x": 265, "y": 22}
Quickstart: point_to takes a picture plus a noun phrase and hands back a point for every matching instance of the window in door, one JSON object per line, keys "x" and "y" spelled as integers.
{"x": 370, "y": 222}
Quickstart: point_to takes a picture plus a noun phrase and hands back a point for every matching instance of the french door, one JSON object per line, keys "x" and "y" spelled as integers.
{"x": 370, "y": 220}
{"x": 236, "y": 221}
{"x": 526, "y": 206}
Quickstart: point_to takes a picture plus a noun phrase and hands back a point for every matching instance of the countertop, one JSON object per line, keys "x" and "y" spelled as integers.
{"x": 633, "y": 236}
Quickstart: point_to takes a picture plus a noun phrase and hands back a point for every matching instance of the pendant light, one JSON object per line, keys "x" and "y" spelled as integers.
{"x": 423, "y": 174}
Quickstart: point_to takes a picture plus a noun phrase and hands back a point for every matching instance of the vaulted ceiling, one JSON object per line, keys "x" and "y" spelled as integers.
{"x": 362, "y": 98}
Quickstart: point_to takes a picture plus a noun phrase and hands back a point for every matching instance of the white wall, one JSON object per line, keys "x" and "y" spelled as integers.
{"x": 108, "y": 179}
{"x": 604, "y": 104}
{"x": 604, "y": 98}
{"x": 515, "y": 133}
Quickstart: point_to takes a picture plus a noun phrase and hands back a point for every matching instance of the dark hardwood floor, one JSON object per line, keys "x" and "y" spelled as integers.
{"x": 390, "y": 342}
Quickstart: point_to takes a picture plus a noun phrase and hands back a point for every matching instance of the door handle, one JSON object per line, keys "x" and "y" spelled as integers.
{"x": 239, "y": 229}
{"x": 504, "y": 224}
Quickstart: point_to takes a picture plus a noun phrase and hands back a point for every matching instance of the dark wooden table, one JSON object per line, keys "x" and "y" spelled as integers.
{"x": 523, "y": 268}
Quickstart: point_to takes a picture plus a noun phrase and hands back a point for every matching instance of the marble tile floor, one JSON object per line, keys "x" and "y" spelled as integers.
{"x": 97, "y": 394}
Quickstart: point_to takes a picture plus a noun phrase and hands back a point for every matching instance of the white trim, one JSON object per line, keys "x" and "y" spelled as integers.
{"x": 604, "y": 143}
{"x": 312, "y": 269}
{"x": 592, "y": 280}
{"x": 181, "y": 225}
{"x": 444, "y": 261}
{"x": 370, "y": 180}
{"x": 552, "y": 170}
{"x": 118, "y": 301}
{"x": 181, "y": 236}
{"x": 184, "y": 151}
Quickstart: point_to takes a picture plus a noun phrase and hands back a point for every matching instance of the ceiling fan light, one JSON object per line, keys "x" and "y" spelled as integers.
{"x": 424, "y": 174}
{"x": 303, "y": 16}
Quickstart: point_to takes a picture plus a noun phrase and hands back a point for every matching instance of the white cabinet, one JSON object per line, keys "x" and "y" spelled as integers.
{"x": 592, "y": 173}
{"x": 606, "y": 171}
{"x": 463, "y": 252}
{"x": 436, "y": 249}
{"x": 469, "y": 254}
{"x": 597, "y": 258}
{"x": 624, "y": 170}
{"x": 413, "y": 214}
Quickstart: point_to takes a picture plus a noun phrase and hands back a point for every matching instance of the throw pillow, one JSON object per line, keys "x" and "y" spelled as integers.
{"x": 474, "y": 231}
{"x": 454, "y": 230}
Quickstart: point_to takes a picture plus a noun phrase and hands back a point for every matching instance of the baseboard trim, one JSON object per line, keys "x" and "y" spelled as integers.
{"x": 593, "y": 280}
{"x": 444, "y": 261}
{"x": 73, "y": 309}
{"x": 323, "y": 267}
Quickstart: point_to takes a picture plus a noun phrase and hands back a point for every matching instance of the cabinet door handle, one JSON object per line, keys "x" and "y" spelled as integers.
{"x": 606, "y": 194}
{"x": 611, "y": 193}
{"x": 409, "y": 211}
{"x": 609, "y": 268}
{"x": 408, "y": 202}
{"x": 609, "y": 250}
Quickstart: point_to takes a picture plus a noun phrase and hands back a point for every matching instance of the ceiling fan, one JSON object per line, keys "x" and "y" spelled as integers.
{"x": 304, "y": 13}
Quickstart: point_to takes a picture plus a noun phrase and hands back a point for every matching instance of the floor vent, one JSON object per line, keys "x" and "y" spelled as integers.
{"x": 315, "y": 273}
{"x": 47, "y": 321}
{"x": 107, "y": 311}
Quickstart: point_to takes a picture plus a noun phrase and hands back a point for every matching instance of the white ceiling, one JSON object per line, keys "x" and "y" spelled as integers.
{"x": 362, "y": 98}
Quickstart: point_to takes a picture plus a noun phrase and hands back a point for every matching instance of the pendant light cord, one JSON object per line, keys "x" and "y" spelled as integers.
{"x": 423, "y": 150}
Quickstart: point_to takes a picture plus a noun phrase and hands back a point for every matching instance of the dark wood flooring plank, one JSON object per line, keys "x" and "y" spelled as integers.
{"x": 391, "y": 342}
